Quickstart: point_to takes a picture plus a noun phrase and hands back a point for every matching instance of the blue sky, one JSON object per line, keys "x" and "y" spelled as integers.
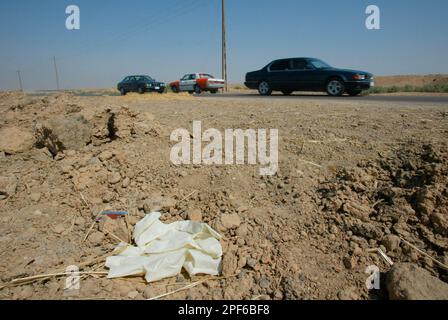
{"x": 169, "y": 38}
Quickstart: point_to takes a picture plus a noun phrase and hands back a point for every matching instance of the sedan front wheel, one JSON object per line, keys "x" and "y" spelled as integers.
{"x": 197, "y": 89}
{"x": 264, "y": 88}
{"x": 335, "y": 87}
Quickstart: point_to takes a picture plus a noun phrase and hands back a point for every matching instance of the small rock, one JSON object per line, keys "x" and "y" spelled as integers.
{"x": 80, "y": 221}
{"x": 357, "y": 210}
{"x": 35, "y": 196}
{"x": 264, "y": 282}
{"x": 230, "y": 221}
{"x": 126, "y": 182}
{"x": 59, "y": 229}
{"x": 251, "y": 262}
{"x": 123, "y": 290}
{"x": 94, "y": 161}
{"x": 391, "y": 242}
{"x": 278, "y": 295}
{"x": 96, "y": 238}
{"x": 114, "y": 177}
{"x": 229, "y": 264}
{"x": 158, "y": 203}
{"x": 406, "y": 281}
{"x": 194, "y": 214}
{"x": 367, "y": 230}
{"x": 105, "y": 155}
{"x": 240, "y": 242}
{"x": 148, "y": 293}
{"x": 133, "y": 294}
{"x": 8, "y": 185}
{"x": 114, "y": 226}
{"x": 242, "y": 262}
{"x": 108, "y": 196}
{"x": 242, "y": 230}
{"x": 349, "y": 262}
{"x": 334, "y": 229}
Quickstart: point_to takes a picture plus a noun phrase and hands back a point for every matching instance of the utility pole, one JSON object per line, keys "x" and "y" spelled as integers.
{"x": 56, "y": 73}
{"x": 20, "y": 80}
{"x": 224, "y": 45}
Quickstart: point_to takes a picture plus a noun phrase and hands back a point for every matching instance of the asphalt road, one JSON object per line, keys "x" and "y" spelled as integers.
{"x": 408, "y": 98}
{"x": 423, "y": 99}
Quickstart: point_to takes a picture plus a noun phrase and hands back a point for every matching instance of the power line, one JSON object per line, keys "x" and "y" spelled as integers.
{"x": 157, "y": 20}
{"x": 154, "y": 22}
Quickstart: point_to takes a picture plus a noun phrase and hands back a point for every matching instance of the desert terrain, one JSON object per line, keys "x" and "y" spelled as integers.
{"x": 354, "y": 176}
{"x": 411, "y": 80}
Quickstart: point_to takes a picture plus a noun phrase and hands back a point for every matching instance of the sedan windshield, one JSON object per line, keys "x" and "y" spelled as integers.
{"x": 319, "y": 64}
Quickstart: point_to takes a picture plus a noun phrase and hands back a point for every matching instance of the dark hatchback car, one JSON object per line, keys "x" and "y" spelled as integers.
{"x": 308, "y": 74}
{"x": 140, "y": 84}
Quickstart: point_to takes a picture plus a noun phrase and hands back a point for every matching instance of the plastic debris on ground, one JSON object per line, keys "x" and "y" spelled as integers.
{"x": 114, "y": 214}
{"x": 164, "y": 249}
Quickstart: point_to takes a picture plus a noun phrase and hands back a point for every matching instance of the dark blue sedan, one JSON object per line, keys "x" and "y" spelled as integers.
{"x": 308, "y": 74}
{"x": 140, "y": 84}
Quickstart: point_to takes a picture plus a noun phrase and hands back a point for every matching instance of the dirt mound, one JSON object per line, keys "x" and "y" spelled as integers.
{"x": 401, "y": 196}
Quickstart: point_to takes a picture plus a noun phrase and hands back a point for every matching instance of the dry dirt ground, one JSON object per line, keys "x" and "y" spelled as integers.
{"x": 412, "y": 80}
{"x": 353, "y": 177}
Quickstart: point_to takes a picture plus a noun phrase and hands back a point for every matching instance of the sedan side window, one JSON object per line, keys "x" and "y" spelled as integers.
{"x": 185, "y": 77}
{"x": 280, "y": 65}
{"x": 299, "y": 64}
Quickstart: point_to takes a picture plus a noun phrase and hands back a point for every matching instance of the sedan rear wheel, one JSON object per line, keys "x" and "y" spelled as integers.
{"x": 141, "y": 90}
{"x": 264, "y": 88}
{"x": 122, "y": 92}
{"x": 335, "y": 87}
